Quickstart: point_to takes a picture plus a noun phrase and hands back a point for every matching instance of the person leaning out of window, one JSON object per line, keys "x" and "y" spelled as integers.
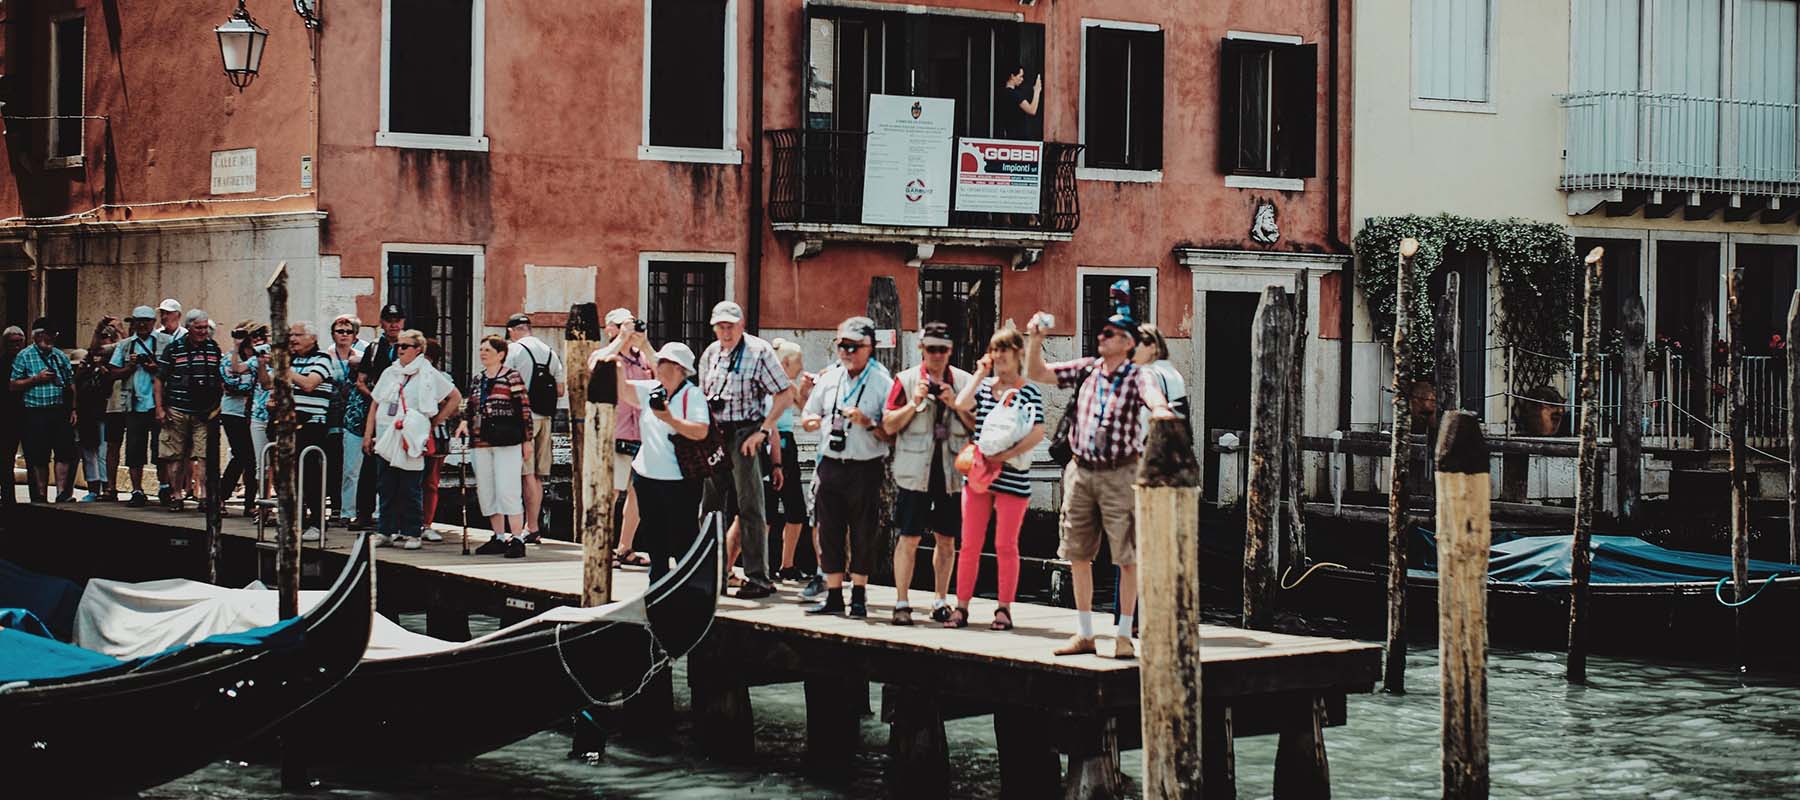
{"x": 670, "y": 406}
{"x": 501, "y": 413}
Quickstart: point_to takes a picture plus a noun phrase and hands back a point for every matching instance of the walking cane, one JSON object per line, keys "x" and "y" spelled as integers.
{"x": 462, "y": 496}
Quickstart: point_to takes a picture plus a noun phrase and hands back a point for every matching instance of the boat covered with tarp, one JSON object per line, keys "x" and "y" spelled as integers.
{"x": 80, "y": 722}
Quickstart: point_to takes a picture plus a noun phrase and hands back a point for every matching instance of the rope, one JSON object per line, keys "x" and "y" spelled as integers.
{"x": 659, "y": 659}
{"x": 1709, "y": 426}
{"x": 1307, "y": 574}
{"x": 1719, "y": 591}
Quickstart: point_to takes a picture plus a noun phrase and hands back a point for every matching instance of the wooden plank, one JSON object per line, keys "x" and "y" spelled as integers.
{"x": 1294, "y": 465}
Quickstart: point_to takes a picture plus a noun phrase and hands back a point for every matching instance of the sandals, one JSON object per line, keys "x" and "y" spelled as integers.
{"x": 631, "y": 558}
{"x": 1002, "y": 619}
{"x": 959, "y": 618}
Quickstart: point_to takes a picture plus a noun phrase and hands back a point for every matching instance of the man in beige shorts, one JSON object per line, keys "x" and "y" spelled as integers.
{"x": 542, "y": 369}
{"x": 1097, "y": 495}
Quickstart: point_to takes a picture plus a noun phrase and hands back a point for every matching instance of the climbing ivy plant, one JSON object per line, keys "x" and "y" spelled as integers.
{"x": 1539, "y": 278}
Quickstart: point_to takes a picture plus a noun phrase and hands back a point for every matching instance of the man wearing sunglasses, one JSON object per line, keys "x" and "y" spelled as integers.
{"x": 1097, "y": 483}
{"x": 377, "y": 357}
{"x": 847, "y": 405}
{"x": 929, "y": 431}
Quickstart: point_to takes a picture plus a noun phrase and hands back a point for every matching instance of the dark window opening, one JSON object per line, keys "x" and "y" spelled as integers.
{"x": 15, "y": 287}
{"x": 59, "y": 304}
{"x": 430, "y": 67}
{"x": 68, "y": 54}
{"x": 1764, "y": 292}
{"x": 1122, "y": 111}
{"x": 966, "y": 300}
{"x": 1687, "y": 284}
{"x": 687, "y": 73}
{"x": 1097, "y": 303}
{"x": 1268, "y": 107}
{"x": 437, "y": 293}
{"x": 682, "y": 294}
{"x": 1618, "y": 280}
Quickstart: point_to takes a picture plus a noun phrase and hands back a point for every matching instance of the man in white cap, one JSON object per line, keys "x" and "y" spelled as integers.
{"x": 847, "y": 404}
{"x": 544, "y": 386}
{"x": 168, "y": 318}
{"x": 738, "y": 373}
{"x": 627, "y": 438}
{"x": 134, "y": 364}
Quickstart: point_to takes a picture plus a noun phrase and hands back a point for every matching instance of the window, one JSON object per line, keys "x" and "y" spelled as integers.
{"x": 59, "y": 303}
{"x": 68, "y": 57}
{"x": 690, "y": 77}
{"x": 1451, "y": 64}
{"x": 679, "y": 296}
{"x": 1097, "y": 301}
{"x": 968, "y": 301}
{"x": 431, "y": 76}
{"x": 436, "y": 290}
{"x": 15, "y": 288}
{"x": 1121, "y": 95}
{"x": 1268, "y": 106}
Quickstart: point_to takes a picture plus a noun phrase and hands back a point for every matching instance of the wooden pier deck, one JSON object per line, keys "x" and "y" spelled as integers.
{"x": 1083, "y": 707}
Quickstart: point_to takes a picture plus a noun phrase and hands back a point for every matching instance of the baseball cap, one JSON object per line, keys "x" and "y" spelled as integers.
{"x": 142, "y": 312}
{"x": 618, "y": 316}
{"x": 169, "y": 304}
{"x": 857, "y": 328}
{"x": 1123, "y": 322}
{"x": 516, "y": 320}
{"x": 392, "y": 311}
{"x": 42, "y": 325}
{"x": 727, "y": 311}
{"x": 935, "y": 334}
{"x": 679, "y": 354}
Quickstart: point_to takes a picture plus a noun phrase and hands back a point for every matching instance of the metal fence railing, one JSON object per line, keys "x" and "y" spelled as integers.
{"x": 1673, "y": 416}
{"x": 1655, "y": 141}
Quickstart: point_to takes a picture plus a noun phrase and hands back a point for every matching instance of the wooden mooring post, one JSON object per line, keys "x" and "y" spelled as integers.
{"x": 1587, "y": 480}
{"x": 1269, "y": 338}
{"x": 1793, "y": 428}
{"x": 1628, "y": 434}
{"x": 593, "y": 443}
{"x": 1463, "y": 536}
{"x": 1738, "y": 453}
{"x": 1293, "y": 459}
{"x": 287, "y": 518}
{"x": 1393, "y": 677}
{"x": 1168, "y": 526}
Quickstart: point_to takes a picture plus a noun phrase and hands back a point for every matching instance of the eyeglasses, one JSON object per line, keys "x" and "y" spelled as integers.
{"x": 850, "y": 347}
{"x": 937, "y": 349}
{"x": 344, "y": 331}
{"x": 406, "y": 346}
{"x": 1108, "y": 333}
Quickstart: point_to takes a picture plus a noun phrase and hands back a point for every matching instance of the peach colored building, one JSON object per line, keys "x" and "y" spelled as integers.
{"x": 468, "y": 159}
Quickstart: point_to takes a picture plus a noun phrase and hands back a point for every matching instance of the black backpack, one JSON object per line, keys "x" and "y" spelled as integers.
{"x": 541, "y": 387}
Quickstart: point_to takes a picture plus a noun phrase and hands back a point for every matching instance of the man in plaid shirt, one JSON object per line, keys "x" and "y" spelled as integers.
{"x": 738, "y": 373}
{"x": 1097, "y": 483}
{"x": 44, "y": 376}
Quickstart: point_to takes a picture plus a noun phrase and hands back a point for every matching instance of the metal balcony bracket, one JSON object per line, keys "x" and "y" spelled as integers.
{"x": 1777, "y": 212}
{"x": 921, "y": 253}
{"x": 1024, "y": 257}
{"x": 1587, "y": 201}
{"x": 1662, "y": 205}
{"x": 1703, "y": 205}
{"x": 807, "y": 248}
{"x": 1739, "y": 208}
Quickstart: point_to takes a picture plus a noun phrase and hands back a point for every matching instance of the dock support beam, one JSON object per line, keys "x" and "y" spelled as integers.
{"x": 1029, "y": 766}
{"x": 1094, "y": 762}
{"x": 918, "y": 755}
{"x": 1218, "y": 753}
{"x": 1301, "y": 769}
{"x": 724, "y": 723}
{"x": 833, "y": 721}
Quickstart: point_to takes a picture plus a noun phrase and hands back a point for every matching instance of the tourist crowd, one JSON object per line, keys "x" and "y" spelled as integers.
{"x": 694, "y": 434}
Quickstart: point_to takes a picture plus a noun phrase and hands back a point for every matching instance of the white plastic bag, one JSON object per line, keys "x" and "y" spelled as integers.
{"x": 1005, "y": 425}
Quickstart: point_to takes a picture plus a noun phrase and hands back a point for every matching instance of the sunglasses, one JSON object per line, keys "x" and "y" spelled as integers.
{"x": 850, "y": 347}
{"x": 406, "y": 346}
{"x": 344, "y": 331}
{"x": 937, "y": 349}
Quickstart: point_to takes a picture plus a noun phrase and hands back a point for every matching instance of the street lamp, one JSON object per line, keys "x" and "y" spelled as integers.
{"x": 241, "y": 43}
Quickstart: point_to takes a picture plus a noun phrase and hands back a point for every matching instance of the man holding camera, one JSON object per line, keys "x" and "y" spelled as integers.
{"x": 929, "y": 431}
{"x": 134, "y": 363}
{"x": 847, "y": 403}
{"x": 46, "y": 379}
{"x": 737, "y": 374}
{"x": 634, "y": 365}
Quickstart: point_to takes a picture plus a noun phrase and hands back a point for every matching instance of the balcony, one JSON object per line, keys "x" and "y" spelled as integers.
{"x": 1665, "y": 152}
{"x": 816, "y": 193}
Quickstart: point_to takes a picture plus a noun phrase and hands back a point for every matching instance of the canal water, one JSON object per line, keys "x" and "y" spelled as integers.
{"x": 1638, "y": 730}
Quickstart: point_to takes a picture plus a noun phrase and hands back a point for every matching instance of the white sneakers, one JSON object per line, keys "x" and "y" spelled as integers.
{"x": 380, "y": 540}
{"x": 310, "y": 535}
{"x": 410, "y": 543}
{"x": 430, "y": 535}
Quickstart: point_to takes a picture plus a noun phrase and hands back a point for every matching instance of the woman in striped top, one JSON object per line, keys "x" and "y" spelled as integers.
{"x": 500, "y": 449}
{"x": 997, "y": 377}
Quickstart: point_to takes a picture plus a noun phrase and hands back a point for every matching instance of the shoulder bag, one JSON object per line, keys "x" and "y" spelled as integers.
{"x": 701, "y": 458}
{"x": 497, "y": 430}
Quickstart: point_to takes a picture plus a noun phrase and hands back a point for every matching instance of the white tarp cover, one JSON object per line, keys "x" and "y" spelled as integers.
{"x": 129, "y": 620}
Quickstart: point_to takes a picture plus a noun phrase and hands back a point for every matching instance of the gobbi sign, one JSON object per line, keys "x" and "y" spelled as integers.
{"x": 999, "y": 175}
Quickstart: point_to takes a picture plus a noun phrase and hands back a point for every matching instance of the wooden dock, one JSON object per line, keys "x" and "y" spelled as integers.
{"x": 1084, "y": 707}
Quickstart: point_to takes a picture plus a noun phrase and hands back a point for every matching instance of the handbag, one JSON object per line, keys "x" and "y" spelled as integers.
{"x": 498, "y": 431}
{"x": 999, "y": 432}
{"x": 701, "y": 458}
{"x": 627, "y": 447}
{"x": 1061, "y": 451}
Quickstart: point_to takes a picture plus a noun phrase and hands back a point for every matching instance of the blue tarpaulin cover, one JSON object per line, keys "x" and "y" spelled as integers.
{"x": 27, "y": 656}
{"x": 1538, "y": 560}
{"x": 52, "y": 599}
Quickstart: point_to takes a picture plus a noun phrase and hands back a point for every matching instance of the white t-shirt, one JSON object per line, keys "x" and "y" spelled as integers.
{"x": 529, "y": 349}
{"x": 1174, "y": 389}
{"x": 656, "y": 456}
{"x": 424, "y": 390}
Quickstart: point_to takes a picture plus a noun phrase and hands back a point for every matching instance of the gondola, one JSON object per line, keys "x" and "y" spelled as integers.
{"x": 75, "y": 723}
{"x": 1645, "y": 599}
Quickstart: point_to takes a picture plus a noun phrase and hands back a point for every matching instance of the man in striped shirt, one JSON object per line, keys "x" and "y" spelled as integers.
{"x": 313, "y": 389}
{"x": 187, "y": 389}
{"x": 44, "y": 376}
{"x": 1097, "y": 493}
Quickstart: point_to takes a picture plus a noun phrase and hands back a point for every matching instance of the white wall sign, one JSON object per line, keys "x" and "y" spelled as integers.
{"x": 306, "y": 174}
{"x": 999, "y": 175}
{"x": 555, "y": 288}
{"x": 234, "y": 171}
{"x": 906, "y": 172}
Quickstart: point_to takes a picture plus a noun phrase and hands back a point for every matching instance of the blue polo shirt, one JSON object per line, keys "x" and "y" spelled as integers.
{"x": 140, "y": 386}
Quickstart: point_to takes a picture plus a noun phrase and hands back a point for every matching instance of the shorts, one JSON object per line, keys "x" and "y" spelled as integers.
{"x": 47, "y": 433}
{"x": 542, "y": 451}
{"x": 180, "y": 431}
{"x": 917, "y": 512}
{"x": 1096, "y": 500}
{"x": 621, "y": 472}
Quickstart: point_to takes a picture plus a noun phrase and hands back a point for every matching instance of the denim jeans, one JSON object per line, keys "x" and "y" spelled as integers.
{"x": 352, "y": 469}
{"x": 402, "y": 501}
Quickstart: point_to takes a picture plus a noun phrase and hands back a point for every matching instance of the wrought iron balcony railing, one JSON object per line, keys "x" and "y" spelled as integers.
{"x": 1646, "y": 140}
{"x": 818, "y": 177}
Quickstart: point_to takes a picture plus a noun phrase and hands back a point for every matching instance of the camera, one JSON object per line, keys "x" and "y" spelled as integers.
{"x": 640, "y": 325}
{"x": 659, "y": 399}
{"x": 839, "y": 435}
